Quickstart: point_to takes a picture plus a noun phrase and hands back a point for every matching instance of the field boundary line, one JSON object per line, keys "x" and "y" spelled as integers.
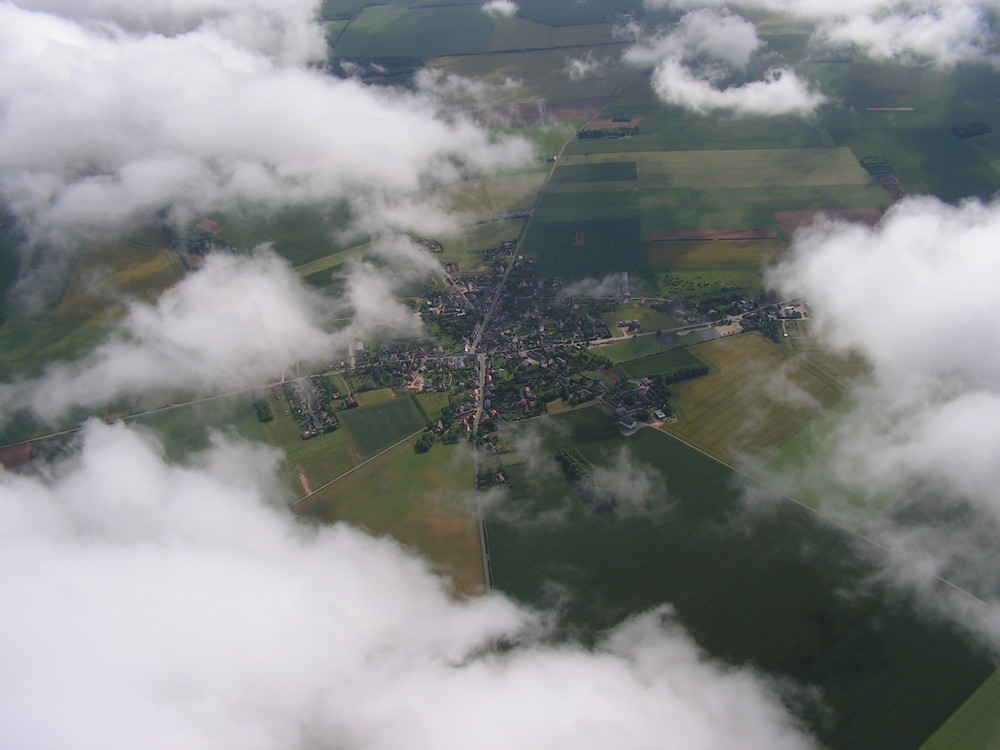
{"x": 355, "y": 468}
{"x": 829, "y": 519}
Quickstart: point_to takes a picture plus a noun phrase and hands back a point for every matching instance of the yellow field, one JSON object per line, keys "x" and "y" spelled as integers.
{"x": 803, "y": 342}
{"x": 111, "y": 273}
{"x": 712, "y": 254}
{"x": 757, "y": 396}
{"x": 420, "y": 499}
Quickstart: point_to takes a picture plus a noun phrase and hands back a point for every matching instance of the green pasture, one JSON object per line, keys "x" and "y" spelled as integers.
{"x": 649, "y": 319}
{"x": 628, "y": 349}
{"x": 668, "y": 128}
{"x": 567, "y": 14}
{"x": 764, "y": 588}
{"x": 755, "y": 399}
{"x": 416, "y": 32}
{"x": 299, "y": 233}
{"x": 420, "y": 499}
{"x": 975, "y": 725}
{"x": 517, "y": 33}
{"x": 373, "y": 398}
{"x": 926, "y": 160}
{"x": 374, "y": 428}
{"x": 655, "y": 364}
{"x": 321, "y": 458}
{"x": 871, "y": 84}
{"x": 542, "y": 74}
{"x": 29, "y": 346}
{"x": 581, "y": 248}
{"x": 330, "y": 263}
{"x": 187, "y": 428}
{"x": 595, "y": 172}
{"x": 432, "y": 404}
{"x": 481, "y": 199}
{"x": 755, "y": 168}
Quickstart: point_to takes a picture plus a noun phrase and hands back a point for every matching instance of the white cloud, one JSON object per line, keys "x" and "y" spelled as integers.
{"x": 236, "y": 322}
{"x": 164, "y": 606}
{"x": 942, "y": 31}
{"x": 500, "y": 8}
{"x": 693, "y": 60}
{"x": 199, "y": 122}
{"x": 284, "y": 29}
{"x": 914, "y": 457}
{"x": 578, "y": 68}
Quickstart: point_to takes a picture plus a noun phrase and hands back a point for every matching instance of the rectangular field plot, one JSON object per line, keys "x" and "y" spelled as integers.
{"x": 789, "y": 167}
{"x": 109, "y": 272}
{"x": 974, "y": 726}
{"x": 575, "y": 249}
{"x": 375, "y": 428}
{"x": 730, "y": 255}
{"x": 521, "y": 34}
{"x": 416, "y": 32}
{"x": 420, "y": 499}
{"x": 755, "y": 399}
{"x": 655, "y": 364}
{"x": 606, "y": 171}
{"x": 629, "y": 348}
{"x": 765, "y": 590}
{"x": 542, "y": 75}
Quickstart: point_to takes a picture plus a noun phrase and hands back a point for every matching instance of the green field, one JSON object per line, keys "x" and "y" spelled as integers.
{"x": 299, "y": 233}
{"x": 375, "y": 428}
{"x": 655, "y": 364}
{"x": 113, "y": 271}
{"x": 756, "y": 397}
{"x": 466, "y": 247}
{"x": 975, "y": 725}
{"x": 606, "y": 171}
{"x": 373, "y": 398}
{"x": 800, "y": 339}
{"x": 29, "y": 345}
{"x": 517, "y": 33}
{"x": 431, "y": 405}
{"x": 649, "y": 319}
{"x": 421, "y": 499}
{"x": 764, "y": 589}
{"x": 542, "y": 74}
{"x": 754, "y": 168}
{"x": 416, "y": 32}
{"x": 321, "y": 459}
{"x": 728, "y": 255}
{"x": 622, "y": 351}
{"x": 584, "y": 248}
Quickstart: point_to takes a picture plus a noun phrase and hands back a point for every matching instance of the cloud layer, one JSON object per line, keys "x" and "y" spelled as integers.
{"x": 942, "y": 31}
{"x": 693, "y": 61}
{"x": 101, "y": 125}
{"x": 158, "y": 605}
{"x": 235, "y": 323}
{"x": 915, "y": 455}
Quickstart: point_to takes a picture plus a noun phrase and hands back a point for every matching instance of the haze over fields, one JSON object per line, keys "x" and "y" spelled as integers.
{"x": 202, "y": 200}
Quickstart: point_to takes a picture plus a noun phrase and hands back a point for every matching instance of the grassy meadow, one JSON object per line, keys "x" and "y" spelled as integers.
{"x": 375, "y": 428}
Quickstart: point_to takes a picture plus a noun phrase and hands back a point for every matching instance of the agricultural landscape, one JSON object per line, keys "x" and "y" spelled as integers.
{"x": 582, "y": 379}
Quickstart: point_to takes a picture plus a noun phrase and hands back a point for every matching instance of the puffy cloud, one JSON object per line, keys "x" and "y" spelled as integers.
{"x": 627, "y": 487}
{"x": 913, "y": 457}
{"x": 284, "y": 29}
{"x": 198, "y": 122}
{"x": 942, "y": 31}
{"x": 159, "y": 605}
{"x": 706, "y": 47}
{"x": 578, "y": 68}
{"x": 500, "y": 8}
{"x": 236, "y": 322}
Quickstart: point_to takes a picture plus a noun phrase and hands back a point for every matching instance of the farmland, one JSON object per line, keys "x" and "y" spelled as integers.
{"x": 110, "y": 272}
{"x": 654, "y": 364}
{"x": 29, "y": 345}
{"x": 375, "y": 428}
{"x": 755, "y": 398}
{"x": 418, "y": 500}
{"x": 621, "y": 351}
{"x": 747, "y": 591}
{"x": 415, "y": 32}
